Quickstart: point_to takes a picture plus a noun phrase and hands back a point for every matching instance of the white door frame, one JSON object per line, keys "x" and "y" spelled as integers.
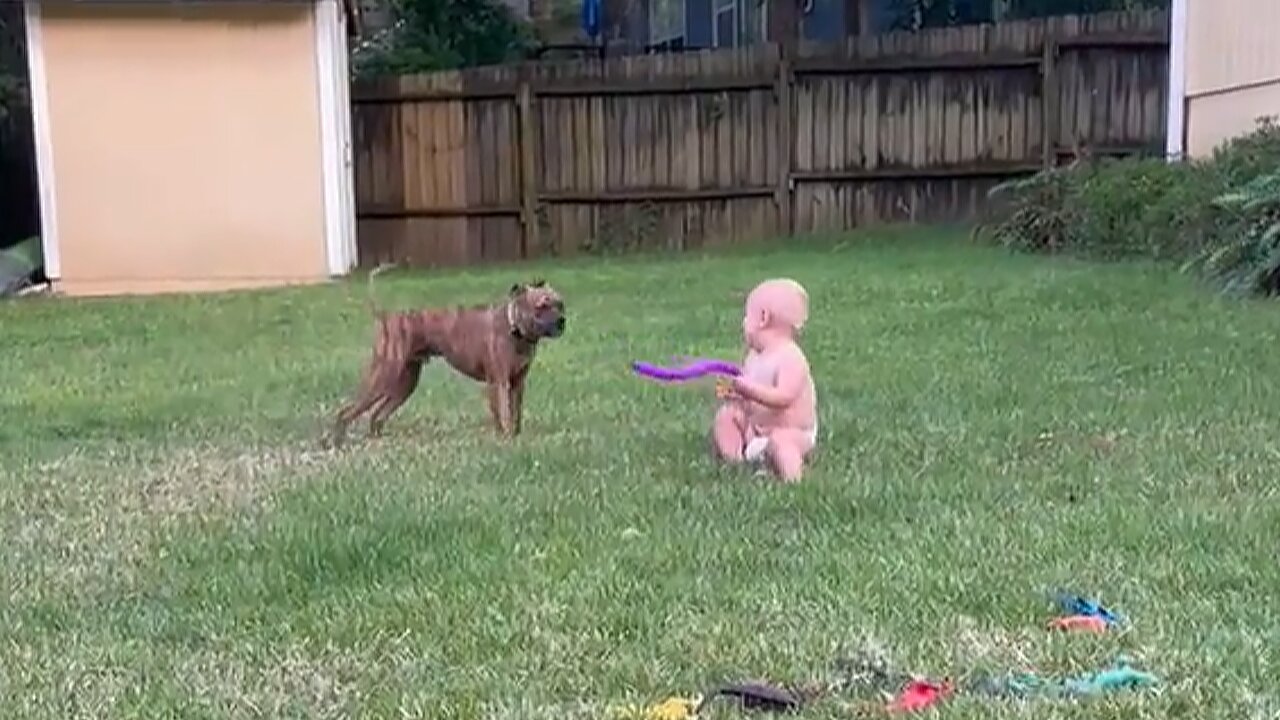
{"x": 1176, "y": 96}
{"x": 38, "y": 78}
{"x": 335, "y": 136}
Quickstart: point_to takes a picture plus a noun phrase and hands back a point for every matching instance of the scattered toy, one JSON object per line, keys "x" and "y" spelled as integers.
{"x": 1086, "y": 623}
{"x": 673, "y": 708}
{"x": 1076, "y": 605}
{"x": 1120, "y": 676}
{"x": 920, "y": 694}
{"x": 691, "y": 371}
{"x": 756, "y": 696}
{"x": 874, "y": 672}
{"x": 1015, "y": 684}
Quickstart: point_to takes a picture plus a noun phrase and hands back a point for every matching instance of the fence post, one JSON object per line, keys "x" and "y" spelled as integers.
{"x": 782, "y": 90}
{"x": 1049, "y": 102}
{"x": 528, "y": 166}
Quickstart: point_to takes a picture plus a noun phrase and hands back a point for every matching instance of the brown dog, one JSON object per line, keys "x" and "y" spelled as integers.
{"x": 493, "y": 344}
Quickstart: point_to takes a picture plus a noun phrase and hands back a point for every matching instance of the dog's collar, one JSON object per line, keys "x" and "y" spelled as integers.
{"x": 511, "y": 322}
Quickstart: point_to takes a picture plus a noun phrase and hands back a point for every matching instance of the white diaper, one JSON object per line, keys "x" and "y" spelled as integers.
{"x": 754, "y": 451}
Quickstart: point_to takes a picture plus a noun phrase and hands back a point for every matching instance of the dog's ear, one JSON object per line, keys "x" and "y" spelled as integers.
{"x": 516, "y": 290}
{"x": 538, "y": 282}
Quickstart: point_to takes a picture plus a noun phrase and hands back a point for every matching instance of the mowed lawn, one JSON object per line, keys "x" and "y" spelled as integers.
{"x": 176, "y": 544}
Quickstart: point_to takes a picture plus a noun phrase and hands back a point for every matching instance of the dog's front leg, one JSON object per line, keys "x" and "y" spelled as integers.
{"x": 517, "y": 399}
{"x": 517, "y": 405}
{"x": 500, "y": 405}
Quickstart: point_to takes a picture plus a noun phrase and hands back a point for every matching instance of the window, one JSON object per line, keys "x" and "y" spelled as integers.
{"x": 755, "y": 23}
{"x": 666, "y": 23}
{"x": 725, "y": 27}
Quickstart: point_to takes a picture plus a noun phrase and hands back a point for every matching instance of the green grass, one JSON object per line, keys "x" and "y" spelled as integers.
{"x": 177, "y": 545}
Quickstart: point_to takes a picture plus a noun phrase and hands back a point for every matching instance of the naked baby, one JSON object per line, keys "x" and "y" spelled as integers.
{"x": 769, "y": 413}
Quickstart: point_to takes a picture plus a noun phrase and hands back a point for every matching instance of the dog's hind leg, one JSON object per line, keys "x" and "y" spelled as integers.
{"x": 349, "y": 413}
{"x": 397, "y": 393}
{"x": 372, "y": 392}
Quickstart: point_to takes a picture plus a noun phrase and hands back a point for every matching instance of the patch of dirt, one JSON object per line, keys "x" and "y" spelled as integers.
{"x": 193, "y": 481}
{"x": 85, "y": 520}
{"x": 285, "y": 682}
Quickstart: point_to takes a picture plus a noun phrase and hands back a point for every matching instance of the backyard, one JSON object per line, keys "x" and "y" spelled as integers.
{"x": 994, "y": 427}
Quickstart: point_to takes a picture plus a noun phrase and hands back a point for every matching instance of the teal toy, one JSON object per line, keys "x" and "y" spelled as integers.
{"x": 1120, "y": 676}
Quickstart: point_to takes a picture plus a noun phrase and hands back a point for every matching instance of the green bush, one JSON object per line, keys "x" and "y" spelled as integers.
{"x": 1035, "y": 214}
{"x": 433, "y": 35}
{"x": 1245, "y": 260}
{"x": 1244, "y": 158}
{"x": 1147, "y": 208}
{"x": 1216, "y": 215}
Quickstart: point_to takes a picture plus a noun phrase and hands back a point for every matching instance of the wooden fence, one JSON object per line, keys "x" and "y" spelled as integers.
{"x": 679, "y": 151}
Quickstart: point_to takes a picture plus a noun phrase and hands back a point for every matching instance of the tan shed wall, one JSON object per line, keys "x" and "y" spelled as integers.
{"x": 1233, "y": 69}
{"x": 1231, "y": 43}
{"x": 186, "y": 146}
{"x": 1214, "y": 119}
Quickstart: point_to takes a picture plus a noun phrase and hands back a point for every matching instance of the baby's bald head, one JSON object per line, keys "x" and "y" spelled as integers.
{"x": 776, "y": 309}
{"x": 784, "y": 300}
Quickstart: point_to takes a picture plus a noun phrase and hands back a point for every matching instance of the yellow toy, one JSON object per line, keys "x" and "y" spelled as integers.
{"x": 673, "y": 708}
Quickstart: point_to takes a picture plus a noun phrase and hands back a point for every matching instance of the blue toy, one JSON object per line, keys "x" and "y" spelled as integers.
{"x": 1076, "y": 605}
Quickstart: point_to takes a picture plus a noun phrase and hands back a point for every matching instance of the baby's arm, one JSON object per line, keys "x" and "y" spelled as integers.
{"x": 793, "y": 374}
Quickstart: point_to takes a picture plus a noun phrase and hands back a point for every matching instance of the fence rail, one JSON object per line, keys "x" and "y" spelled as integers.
{"x": 499, "y": 164}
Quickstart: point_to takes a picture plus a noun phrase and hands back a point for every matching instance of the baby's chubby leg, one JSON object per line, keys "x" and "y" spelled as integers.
{"x": 729, "y": 431}
{"x": 786, "y": 452}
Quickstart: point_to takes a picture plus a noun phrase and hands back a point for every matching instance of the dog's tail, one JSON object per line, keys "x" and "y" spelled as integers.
{"x": 370, "y": 300}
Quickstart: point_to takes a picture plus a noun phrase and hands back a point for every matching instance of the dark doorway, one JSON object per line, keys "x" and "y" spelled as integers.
{"x": 20, "y": 261}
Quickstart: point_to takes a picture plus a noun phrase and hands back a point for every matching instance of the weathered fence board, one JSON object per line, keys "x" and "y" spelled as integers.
{"x": 699, "y": 149}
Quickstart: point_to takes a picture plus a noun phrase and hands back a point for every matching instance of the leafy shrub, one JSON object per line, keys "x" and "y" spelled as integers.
{"x": 1246, "y": 258}
{"x": 1218, "y": 215}
{"x": 1035, "y": 213}
{"x": 1110, "y": 209}
{"x": 1147, "y": 208}
{"x": 1241, "y": 159}
{"x": 443, "y": 35}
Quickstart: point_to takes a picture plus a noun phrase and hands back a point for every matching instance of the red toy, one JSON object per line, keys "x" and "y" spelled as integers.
{"x": 1087, "y": 623}
{"x": 920, "y": 694}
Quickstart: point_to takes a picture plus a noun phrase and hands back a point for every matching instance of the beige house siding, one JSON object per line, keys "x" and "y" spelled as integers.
{"x": 1232, "y": 69}
{"x": 1214, "y": 119}
{"x": 186, "y": 145}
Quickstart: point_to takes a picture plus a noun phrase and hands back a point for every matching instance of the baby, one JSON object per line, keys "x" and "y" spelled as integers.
{"x": 770, "y": 412}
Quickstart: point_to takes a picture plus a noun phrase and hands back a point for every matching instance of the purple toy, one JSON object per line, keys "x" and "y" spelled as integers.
{"x": 691, "y": 371}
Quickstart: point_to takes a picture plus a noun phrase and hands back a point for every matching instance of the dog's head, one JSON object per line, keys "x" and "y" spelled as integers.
{"x": 536, "y": 311}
